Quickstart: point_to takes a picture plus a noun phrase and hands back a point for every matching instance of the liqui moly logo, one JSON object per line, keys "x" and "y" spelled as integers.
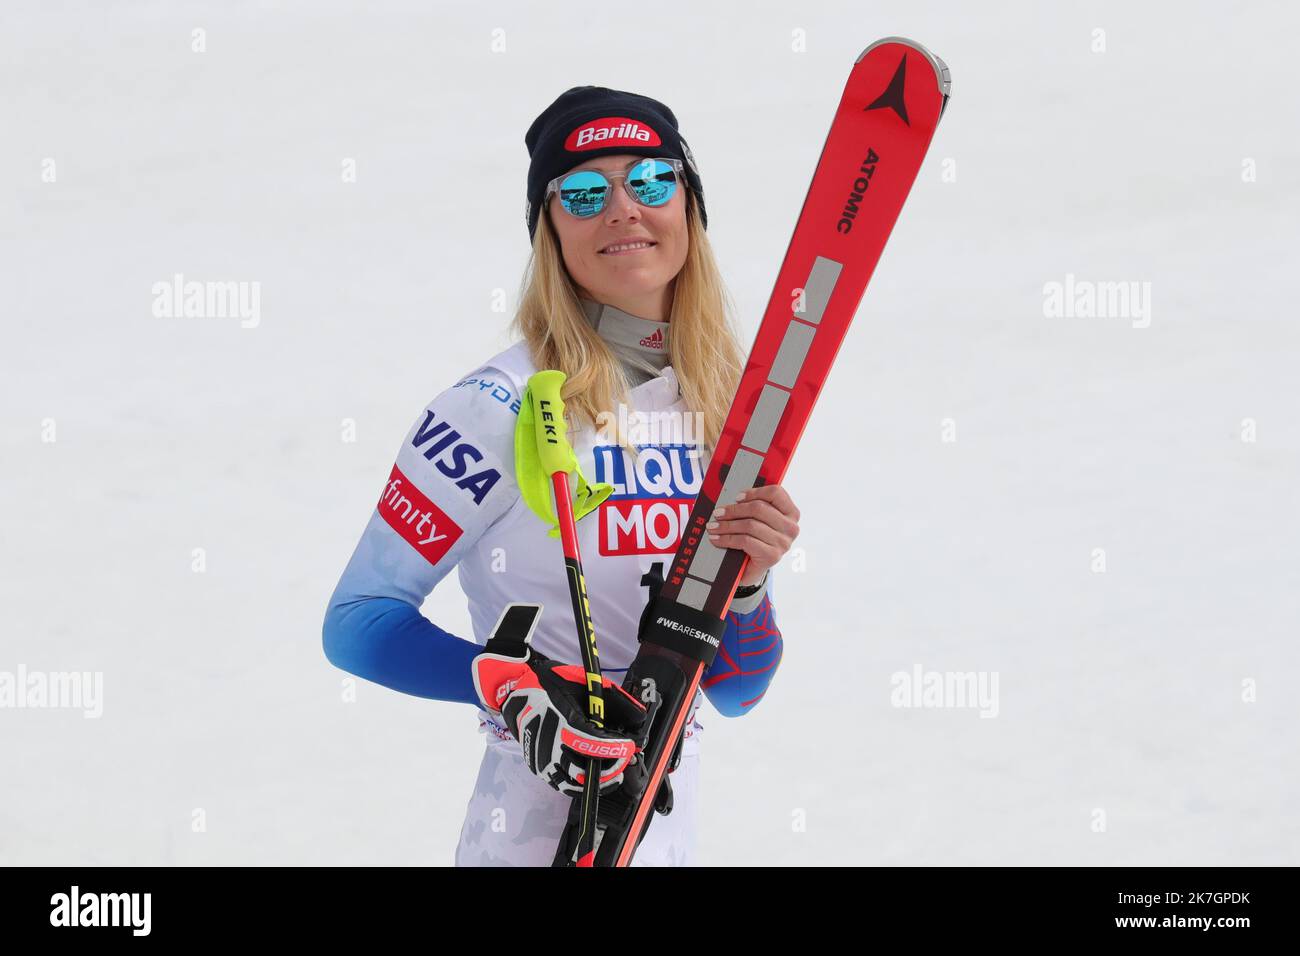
{"x": 611, "y": 131}
{"x": 652, "y": 497}
{"x": 421, "y": 523}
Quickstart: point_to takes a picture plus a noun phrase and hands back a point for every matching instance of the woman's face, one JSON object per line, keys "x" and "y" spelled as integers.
{"x": 611, "y": 275}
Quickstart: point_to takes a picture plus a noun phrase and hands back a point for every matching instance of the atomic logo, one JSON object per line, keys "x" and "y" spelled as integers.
{"x": 892, "y": 98}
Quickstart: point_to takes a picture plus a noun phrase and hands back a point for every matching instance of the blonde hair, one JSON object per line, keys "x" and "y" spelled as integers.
{"x": 704, "y": 347}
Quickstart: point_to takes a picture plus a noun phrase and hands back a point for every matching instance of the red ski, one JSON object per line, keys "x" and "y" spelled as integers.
{"x": 886, "y": 118}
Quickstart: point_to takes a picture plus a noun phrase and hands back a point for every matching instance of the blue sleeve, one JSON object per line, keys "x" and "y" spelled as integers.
{"x": 746, "y": 661}
{"x": 388, "y": 641}
{"x": 452, "y": 478}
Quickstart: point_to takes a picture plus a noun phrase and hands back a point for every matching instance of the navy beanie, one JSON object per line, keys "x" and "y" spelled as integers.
{"x": 590, "y": 121}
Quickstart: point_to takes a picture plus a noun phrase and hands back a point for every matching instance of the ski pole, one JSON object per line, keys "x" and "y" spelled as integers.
{"x": 557, "y": 459}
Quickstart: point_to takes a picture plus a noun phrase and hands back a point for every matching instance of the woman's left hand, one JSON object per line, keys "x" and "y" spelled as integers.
{"x": 763, "y": 523}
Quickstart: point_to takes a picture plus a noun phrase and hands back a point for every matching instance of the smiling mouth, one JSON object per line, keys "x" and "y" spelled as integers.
{"x": 626, "y": 248}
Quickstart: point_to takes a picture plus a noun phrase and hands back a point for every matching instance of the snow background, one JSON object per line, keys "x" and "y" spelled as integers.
{"x": 1120, "y": 691}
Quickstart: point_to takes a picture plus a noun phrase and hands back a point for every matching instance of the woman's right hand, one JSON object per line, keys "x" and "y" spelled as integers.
{"x": 543, "y": 703}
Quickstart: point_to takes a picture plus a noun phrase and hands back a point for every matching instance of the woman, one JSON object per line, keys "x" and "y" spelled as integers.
{"x": 621, "y": 279}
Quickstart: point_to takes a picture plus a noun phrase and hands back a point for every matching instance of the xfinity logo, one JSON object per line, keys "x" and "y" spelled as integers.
{"x": 419, "y": 522}
{"x": 102, "y": 909}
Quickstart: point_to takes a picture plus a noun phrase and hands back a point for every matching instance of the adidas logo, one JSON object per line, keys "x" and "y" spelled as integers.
{"x": 654, "y": 341}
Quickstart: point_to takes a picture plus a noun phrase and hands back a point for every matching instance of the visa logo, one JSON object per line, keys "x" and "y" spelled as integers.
{"x": 454, "y": 457}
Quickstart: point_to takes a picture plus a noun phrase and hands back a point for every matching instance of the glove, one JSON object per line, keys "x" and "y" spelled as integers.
{"x": 543, "y": 703}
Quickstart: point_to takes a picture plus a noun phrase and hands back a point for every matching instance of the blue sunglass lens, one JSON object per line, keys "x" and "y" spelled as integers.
{"x": 583, "y": 193}
{"x": 653, "y": 181}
